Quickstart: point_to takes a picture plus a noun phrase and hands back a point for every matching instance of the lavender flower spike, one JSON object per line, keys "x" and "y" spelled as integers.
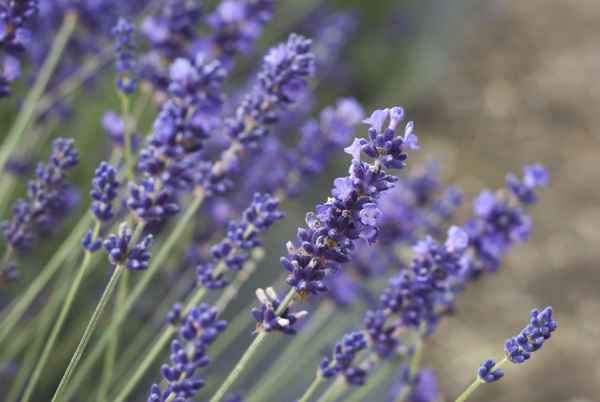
{"x": 126, "y": 64}
{"x": 541, "y": 325}
{"x": 120, "y": 252}
{"x": 197, "y": 331}
{"x": 351, "y": 212}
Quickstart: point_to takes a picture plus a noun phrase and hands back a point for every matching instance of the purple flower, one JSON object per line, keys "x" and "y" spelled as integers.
{"x": 532, "y": 337}
{"x": 149, "y": 203}
{"x": 47, "y": 199}
{"x": 343, "y": 358}
{"x": 242, "y": 237}
{"x": 266, "y": 317}
{"x": 121, "y": 252}
{"x": 487, "y": 373}
{"x": 197, "y": 331}
{"x": 104, "y": 191}
{"x": 126, "y": 64}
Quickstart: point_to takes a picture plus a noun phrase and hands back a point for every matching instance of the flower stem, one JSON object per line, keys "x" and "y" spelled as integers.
{"x": 239, "y": 367}
{"x": 280, "y": 367}
{"x": 25, "y": 115}
{"x": 249, "y": 353}
{"x": 64, "y": 312}
{"x": 312, "y": 389}
{"x": 478, "y": 381}
{"x": 334, "y": 391}
{"x": 91, "y": 326}
{"x": 138, "y": 290}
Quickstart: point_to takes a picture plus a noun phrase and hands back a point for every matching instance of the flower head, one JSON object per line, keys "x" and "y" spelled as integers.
{"x": 126, "y": 64}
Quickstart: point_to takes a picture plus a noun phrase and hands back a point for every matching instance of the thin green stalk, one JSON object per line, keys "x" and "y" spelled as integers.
{"x": 69, "y": 247}
{"x": 35, "y": 345}
{"x": 478, "y": 381}
{"x": 127, "y": 136}
{"x": 279, "y": 368}
{"x": 235, "y": 327}
{"x": 249, "y": 353}
{"x": 64, "y": 312}
{"x": 312, "y": 389}
{"x": 157, "y": 346}
{"x": 334, "y": 391}
{"x": 373, "y": 381}
{"x": 138, "y": 290}
{"x": 25, "y": 115}
{"x": 91, "y": 326}
{"x": 113, "y": 347}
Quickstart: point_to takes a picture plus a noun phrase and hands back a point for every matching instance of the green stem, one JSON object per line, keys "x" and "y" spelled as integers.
{"x": 334, "y": 391}
{"x": 138, "y": 290}
{"x": 64, "y": 312}
{"x": 374, "y": 381}
{"x": 126, "y": 137}
{"x": 20, "y": 306}
{"x": 312, "y": 389}
{"x": 91, "y": 326}
{"x": 25, "y": 115}
{"x": 249, "y": 353}
{"x": 113, "y": 347}
{"x": 280, "y": 367}
{"x": 478, "y": 381}
{"x": 239, "y": 367}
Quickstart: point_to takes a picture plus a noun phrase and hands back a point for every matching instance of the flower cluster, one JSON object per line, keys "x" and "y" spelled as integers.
{"x": 270, "y": 318}
{"x": 184, "y": 122}
{"x": 47, "y": 197}
{"x": 488, "y": 372}
{"x": 236, "y": 25}
{"x": 150, "y": 203}
{"x": 419, "y": 296}
{"x": 14, "y": 38}
{"x": 197, "y": 331}
{"x": 121, "y": 253}
{"x": 242, "y": 237}
{"x": 532, "y": 337}
{"x": 104, "y": 191}
{"x": 351, "y": 213}
{"x": 344, "y": 355}
{"x": 126, "y": 64}
{"x": 281, "y": 82}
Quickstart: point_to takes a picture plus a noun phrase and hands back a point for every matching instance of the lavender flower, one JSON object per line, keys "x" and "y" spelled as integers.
{"x": 47, "y": 197}
{"x": 423, "y": 387}
{"x": 487, "y": 373}
{"x": 267, "y": 318}
{"x": 126, "y": 64}
{"x": 149, "y": 203}
{"x": 244, "y": 236}
{"x": 89, "y": 243}
{"x": 14, "y": 38}
{"x": 281, "y": 82}
{"x": 104, "y": 191}
{"x": 344, "y": 355}
{"x": 532, "y": 337}
{"x": 236, "y": 25}
{"x": 197, "y": 331}
{"x": 120, "y": 251}
{"x": 349, "y": 214}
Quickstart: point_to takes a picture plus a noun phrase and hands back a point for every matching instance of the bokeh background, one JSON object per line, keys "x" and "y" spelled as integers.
{"x": 491, "y": 86}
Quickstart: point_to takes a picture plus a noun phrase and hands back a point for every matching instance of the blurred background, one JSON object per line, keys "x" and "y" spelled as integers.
{"x": 491, "y": 86}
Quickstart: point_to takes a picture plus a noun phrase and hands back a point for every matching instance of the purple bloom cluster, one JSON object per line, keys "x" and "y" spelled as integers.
{"x": 236, "y": 24}
{"x": 120, "y": 251}
{"x": 344, "y": 355}
{"x": 184, "y": 122}
{"x": 242, "y": 237}
{"x": 423, "y": 387}
{"x": 269, "y": 319}
{"x": 487, "y": 372}
{"x": 126, "y": 64}
{"x": 281, "y": 82}
{"x": 104, "y": 191}
{"x": 418, "y": 297}
{"x": 14, "y": 38}
{"x": 197, "y": 331}
{"x": 532, "y": 337}
{"x": 351, "y": 213}
{"x": 47, "y": 197}
{"x": 150, "y": 203}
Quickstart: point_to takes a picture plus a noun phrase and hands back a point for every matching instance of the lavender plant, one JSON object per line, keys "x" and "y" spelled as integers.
{"x": 197, "y": 167}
